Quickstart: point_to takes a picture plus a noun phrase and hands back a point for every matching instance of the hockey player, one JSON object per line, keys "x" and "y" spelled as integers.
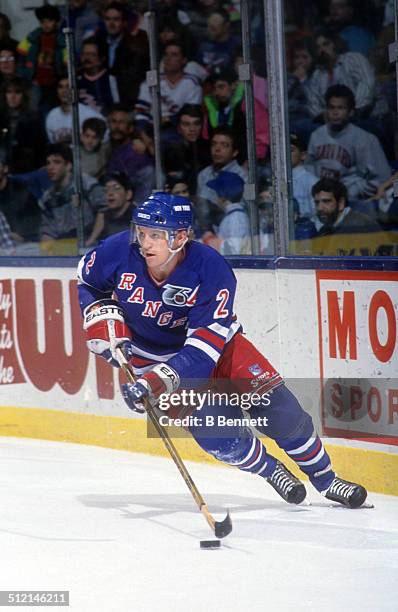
{"x": 168, "y": 301}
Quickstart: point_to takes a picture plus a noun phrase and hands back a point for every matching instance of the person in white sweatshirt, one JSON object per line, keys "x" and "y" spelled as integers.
{"x": 342, "y": 151}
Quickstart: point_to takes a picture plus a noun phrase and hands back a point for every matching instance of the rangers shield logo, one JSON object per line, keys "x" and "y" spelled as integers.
{"x": 255, "y": 369}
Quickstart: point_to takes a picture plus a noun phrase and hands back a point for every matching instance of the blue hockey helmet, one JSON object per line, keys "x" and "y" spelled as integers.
{"x": 164, "y": 211}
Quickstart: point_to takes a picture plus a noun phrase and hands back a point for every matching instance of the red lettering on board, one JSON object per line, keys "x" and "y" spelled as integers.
{"x": 52, "y": 366}
{"x": 342, "y": 327}
{"x": 383, "y": 352}
{"x": 10, "y": 371}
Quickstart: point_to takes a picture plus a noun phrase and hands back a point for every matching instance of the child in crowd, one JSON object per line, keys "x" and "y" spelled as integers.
{"x": 43, "y": 55}
{"x": 93, "y": 152}
{"x": 303, "y": 179}
{"x": 232, "y": 236}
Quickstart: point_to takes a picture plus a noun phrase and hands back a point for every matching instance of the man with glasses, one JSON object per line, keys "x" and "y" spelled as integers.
{"x": 119, "y": 202}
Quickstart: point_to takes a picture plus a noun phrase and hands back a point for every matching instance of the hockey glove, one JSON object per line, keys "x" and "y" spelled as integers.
{"x": 161, "y": 379}
{"x": 106, "y": 330}
{"x": 134, "y": 395}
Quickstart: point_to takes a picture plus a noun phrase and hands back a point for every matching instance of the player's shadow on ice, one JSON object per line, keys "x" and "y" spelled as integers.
{"x": 162, "y": 504}
{"x": 155, "y": 507}
{"x": 279, "y": 521}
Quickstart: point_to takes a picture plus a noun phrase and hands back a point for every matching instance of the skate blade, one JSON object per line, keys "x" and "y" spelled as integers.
{"x": 365, "y": 505}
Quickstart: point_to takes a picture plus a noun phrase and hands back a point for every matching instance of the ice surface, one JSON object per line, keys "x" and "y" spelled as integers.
{"x": 121, "y": 532}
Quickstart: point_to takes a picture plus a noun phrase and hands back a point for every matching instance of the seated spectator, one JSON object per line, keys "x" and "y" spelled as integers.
{"x": 7, "y": 244}
{"x": 303, "y": 60}
{"x": 43, "y": 55}
{"x": 177, "y": 184}
{"x": 169, "y": 11}
{"x": 170, "y": 31}
{"x": 120, "y": 125}
{"x": 119, "y": 202}
{"x": 334, "y": 216}
{"x": 340, "y": 68}
{"x": 232, "y": 235}
{"x": 82, "y": 18}
{"x": 22, "y": 133}
{"x": 342, "y": 20}
{"x": 8, "y": 64}
{"x": 303, "y": 180}
{"x": 127, "y": 52}
{"x": 97, "y": 88}
{"x": 5, "y": 29}
{"x": 189, "y": 153}
{"x": 265, "y": 216}
{"x": 387, "y": 203}
{"x": 343, "y": 151}
{"x": 223, "y": 152}
{"x": 18, "y": 205}
{"x": 93, "y": 151}
{"x": 59, "y": 216}
{"x": 219, "y": 45}
{"x": 198, "y": 12}
{"x": 128, "y": 153}
{"x": 176, "y": 89}
{"x": 224, "y": 103}
{"x": 59, "y": 122}
{"x": 304, "y": 228}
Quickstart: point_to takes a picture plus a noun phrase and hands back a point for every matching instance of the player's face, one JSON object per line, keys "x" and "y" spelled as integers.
{"x": 222, "y": 150}
{"x": 327, "y": 207}
{"x": 154, "y": 245}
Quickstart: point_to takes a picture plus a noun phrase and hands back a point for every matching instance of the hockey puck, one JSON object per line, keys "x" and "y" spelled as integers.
{"x": 210, "y": 543}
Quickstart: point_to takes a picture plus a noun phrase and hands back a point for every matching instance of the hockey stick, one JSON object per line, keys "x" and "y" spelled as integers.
{"x": 219, "y": 528}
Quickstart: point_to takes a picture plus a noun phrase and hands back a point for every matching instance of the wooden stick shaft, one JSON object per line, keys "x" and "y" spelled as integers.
{"x": 170, "y": 446}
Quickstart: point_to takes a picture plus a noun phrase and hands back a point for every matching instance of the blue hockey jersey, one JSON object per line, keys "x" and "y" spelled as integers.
{"x": 186, "y": 320}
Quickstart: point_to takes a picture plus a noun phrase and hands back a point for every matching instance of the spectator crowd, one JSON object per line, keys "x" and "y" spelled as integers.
{"x": 342, "y": 112}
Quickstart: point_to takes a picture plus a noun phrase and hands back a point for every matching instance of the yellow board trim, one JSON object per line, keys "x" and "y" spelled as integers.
{"x": 376, "y": 470}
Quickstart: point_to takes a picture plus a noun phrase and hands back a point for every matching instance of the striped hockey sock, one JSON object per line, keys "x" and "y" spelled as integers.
{"x": 311, "y": 457}
{"x": 256, "y": 459}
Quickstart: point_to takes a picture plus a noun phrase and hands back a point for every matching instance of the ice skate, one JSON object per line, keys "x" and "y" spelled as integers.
{"x": 290, "y": 488}
{"x": 347, "y": 493}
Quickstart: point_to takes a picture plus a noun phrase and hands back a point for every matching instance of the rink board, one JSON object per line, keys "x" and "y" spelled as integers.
{"x": 329, "y": 326}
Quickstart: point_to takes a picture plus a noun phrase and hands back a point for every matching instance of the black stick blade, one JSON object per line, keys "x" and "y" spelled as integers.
{"x": 223, "y": 528}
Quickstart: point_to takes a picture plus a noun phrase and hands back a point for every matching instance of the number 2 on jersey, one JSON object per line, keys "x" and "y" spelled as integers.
{"x": 221, "y": 312}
